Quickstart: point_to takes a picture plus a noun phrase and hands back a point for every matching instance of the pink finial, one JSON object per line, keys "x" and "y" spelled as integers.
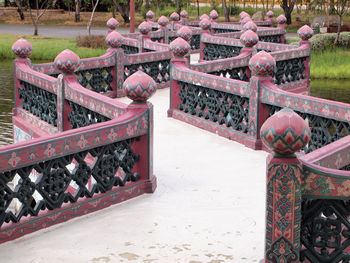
{"x": 145, "y": 28}
{"x": 281, "y": 19}
{"x": 112, "y": 23}
{"x": 243, "y": 15}
{"x": 305, "y": 32}
{"x": 245, "y": 20}
{"x": 204, "y": 16}
{"x": 213, "y": 14}
{"x": 67, "y": 61}
{"x": 163, "y": 21}
{"x": 249, "y": 38}
{"x": 250, "y": 25}
{"x": 114, "y": 39}
{"x": 139, "y": 86}
{"x": 175, "y": 16}
{"x": 180, "y": 47}
{"x": 184, "y": 32}
{"x": 150, "y": 15}
{"x": 184, "y": 14}
{"x": 22, "y": 48}
{"x": 270, "y": 14}
{"x": 205, "y": 24}
{"x": 285, "y": 132}
{"x": 262, "y": 64}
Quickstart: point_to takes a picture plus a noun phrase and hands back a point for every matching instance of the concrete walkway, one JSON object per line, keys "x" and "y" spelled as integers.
{"x": 209, "y": 207}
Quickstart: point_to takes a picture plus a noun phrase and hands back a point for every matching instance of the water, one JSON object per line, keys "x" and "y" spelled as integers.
{"x": 338, "y": 90}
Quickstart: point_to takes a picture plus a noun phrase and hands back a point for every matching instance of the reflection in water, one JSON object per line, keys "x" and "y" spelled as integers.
{"x": 328, "y": 89}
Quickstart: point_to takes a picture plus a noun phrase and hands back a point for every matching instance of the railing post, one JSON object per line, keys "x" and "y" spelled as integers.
{"x": 174, "y": 20}
{"x": 149, "y": 16}
{"x": 249, "y": 39}
{"x": 205, "y": 25}
{"x": 305, "y": 33}
{"x": 139, "y": 87}
{"x": 185, "y": 33}
{"x": 144, "y": 29}
{"x": 180, "y": 49}
{"x": 270, "y": 15}
{"x": 114, "y": 41}
{"x": 213, "y": 16}
{"x": 22, "y": 49}
{"x": 284, "y": 133}
{"x": 163, "y": 22}
{"x": 184, "y": 18}
{"x": 261, "y": 65}
{"x": 281, "y": 21}
{"x": 112, "y": 25}
{"x": 67, "y": 62}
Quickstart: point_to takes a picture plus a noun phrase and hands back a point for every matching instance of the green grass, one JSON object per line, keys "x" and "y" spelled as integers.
{"x": 330, "y": 64}
{"x": 46, "y": 48}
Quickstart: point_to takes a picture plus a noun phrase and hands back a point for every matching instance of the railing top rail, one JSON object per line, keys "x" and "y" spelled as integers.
{"x": 292, "y": 52}
{"x": 226, "y": 26}
{"x": 129, "y": 42}
{"x": 156, "y": 46}
{"x": 145, "y": 57}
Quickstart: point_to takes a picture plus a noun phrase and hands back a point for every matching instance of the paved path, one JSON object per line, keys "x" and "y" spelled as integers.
{"x": 209, "y": 207}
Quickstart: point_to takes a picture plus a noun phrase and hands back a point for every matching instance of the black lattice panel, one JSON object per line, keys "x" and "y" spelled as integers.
{"x": 49, "y": 184}
{"x": 98, "y": 80}
{"x": 39, "y": 102}
{"x": 272, "y": 38}
{"x": 325, "y": 231}
{"x": 224, "y": 30}
{"x": 214, "y": 51}
{"x": 289, "y": 70}
{"x": 323, "y": 130}
{"x": 233, "y": 73}
{"x": 156, "y": 39}
{"x": 195, "y": 42}
{"x": 158, "y": 70}
{"x": 130, "y": 49}
{"x": 81, "y": 116}
{"x": 217, "y": 106}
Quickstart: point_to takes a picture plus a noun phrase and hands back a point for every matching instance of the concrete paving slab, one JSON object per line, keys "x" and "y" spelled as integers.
{"x": 209, "y": 207}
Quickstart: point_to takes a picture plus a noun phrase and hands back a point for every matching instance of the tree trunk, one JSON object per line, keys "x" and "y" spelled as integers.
{"x": 147, "y": 4}
{"x": 178, "y": 8}
{"x": 123, "y": 9}
{"x": 227, "y": 15}
{"x": 273, "y": 4}
{"x": 198, "y": 9}
{"x": 19, "y": 9}
{"x": 92, "y": 16}
{"x": 338, "y": 31}
{"x": 77, "y": 10}
{"x": 288, "y": 9}
{"x": 244, "y": 3}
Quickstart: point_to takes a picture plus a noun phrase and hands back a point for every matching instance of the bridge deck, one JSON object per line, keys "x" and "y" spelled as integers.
{"x": 208, "y": 207}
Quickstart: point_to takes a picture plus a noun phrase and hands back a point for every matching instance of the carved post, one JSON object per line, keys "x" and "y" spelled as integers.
{"x": 184, "y": 18}
{"x": 139, "y": 87}
{"x": 284, "y": 133}
{"x": 144, "y": 29}
{"x": 180, "y": 49}
{"x": 114, "y": 41}
{"x": 270, "y": 15}
{"x": 249, "y": 39}
{"x": 261, "y": 65}
{"x": 149, "y": 16}
{"x": 185, "y": 33}
{"x": 22, "y": 49}
{"x": 112, "y": 24}
{"x": 163, "y": 22}
{"x": 281, "y": 21}
{"x": 242, "y": 15}
{"x": 205, "y": 25}
{"x": 213, "y": 16}
{"x": 305, "y": 33}
{"x": 67, "y": 62}
{"x": 174, "y": 20}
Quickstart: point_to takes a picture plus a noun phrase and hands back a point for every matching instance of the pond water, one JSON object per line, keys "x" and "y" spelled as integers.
{"x": 338, "y": 90}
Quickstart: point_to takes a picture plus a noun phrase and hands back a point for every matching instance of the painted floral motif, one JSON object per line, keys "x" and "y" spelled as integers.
{"x": 67, "y": 61}
{"x": 14, "y": 160}
{"x": 22, "y": 48}
{"x": 180, "y": 47}
{"x": 139, "y": 86}
{"x": 50, "y": 150}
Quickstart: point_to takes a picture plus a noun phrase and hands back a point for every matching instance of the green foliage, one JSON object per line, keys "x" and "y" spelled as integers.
{"x": 321, "y": 42}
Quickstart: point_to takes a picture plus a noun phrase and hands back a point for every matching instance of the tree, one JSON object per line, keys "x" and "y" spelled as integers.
{"x": 288, "y": 6}
{"x": 340, "y": 7}
{"x": 77, "y": 10}
{"x": 123, "y": 7}
{"x": 92, "y": 16}
{"x": 227, "y": 15}
{"x": 19, "y": 9}
{"x": 44, "y": 5}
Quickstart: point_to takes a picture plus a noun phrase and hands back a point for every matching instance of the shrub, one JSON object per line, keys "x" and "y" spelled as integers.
{"x": 93, "y": 41}
{"x": 321, "y": 42}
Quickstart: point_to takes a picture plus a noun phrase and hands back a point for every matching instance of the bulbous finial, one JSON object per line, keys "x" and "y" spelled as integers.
{"x": 112, "y": 24}
{"x": 175, "y": 16}
{"x": 270, "y": 14}
{"x": 245, "y": 20}
{"x": 205, "y": 24}
{"x": 281, "y": 19}
{"x": 249, "y": 38}
{"x": 184, "y": 32}
{"x": 285, "y": 132}
{"x": 67, "y": 61}
{"x": 204, "y": 16}
{"x": 150, "y": 15}
{"x": 305, "y": 32}
{"x": 139, "y": 86}
{"x": 243, "y": 15}
{"x": 262, "y": 64}
{"x": 180, "y": 47}
{"x": 250, "y": 25}
{"x": 22, "y": 48}
{"x": 114, "y": 39}
{"x": 163, "y": 21}
{"x": 145, "y": 28}
{"x": 184, "y": 14}
{"x": 213, "y": 14}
